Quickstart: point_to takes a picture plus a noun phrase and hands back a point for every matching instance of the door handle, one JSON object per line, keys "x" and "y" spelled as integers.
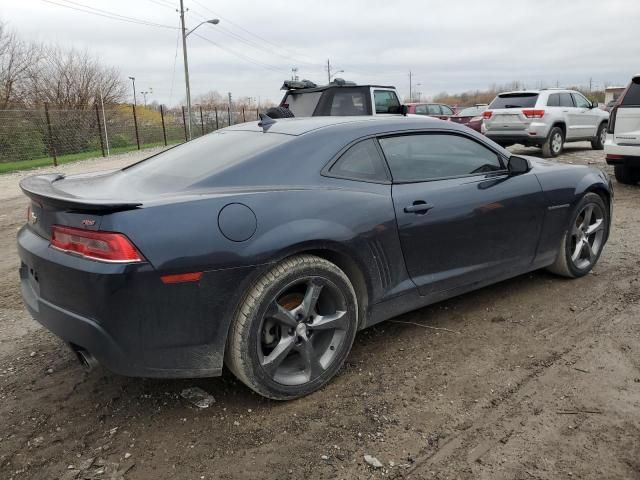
{"x": 419, "y": 206}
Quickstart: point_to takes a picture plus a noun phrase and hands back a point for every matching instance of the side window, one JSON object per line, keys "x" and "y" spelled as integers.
{"x": 581, "y": 102}
{"x": 415, "y": 158}
{"x": 446, "y": 110}
{"x": 384, "y": 100}
{"x": 361, "y": 162}
{"x": 421, "y": 110}
{"x": 433, "y": 109}
{"x": 554, "y": 100}
{"x": 566, "y": 100}
{"x": 348, "y": 102}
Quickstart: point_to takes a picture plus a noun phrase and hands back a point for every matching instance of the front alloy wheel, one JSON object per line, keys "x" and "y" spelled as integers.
{"x": 584, "y": 239}
{"x": 293, "y": 329}
{"x": 586, "y": 236}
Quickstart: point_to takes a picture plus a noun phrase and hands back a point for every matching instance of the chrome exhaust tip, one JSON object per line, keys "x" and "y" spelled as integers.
{"x": 87, "y": 360}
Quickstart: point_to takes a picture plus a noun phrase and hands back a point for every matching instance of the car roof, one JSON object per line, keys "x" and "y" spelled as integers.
{"x": 322, "y": 88}
{"x": 359, "y": 124}
{"x": 426, "y": 103}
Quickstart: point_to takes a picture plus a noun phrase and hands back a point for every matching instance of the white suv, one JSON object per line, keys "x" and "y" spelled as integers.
{"x": 545, "y": 118}
{"x": 623, "y": 142}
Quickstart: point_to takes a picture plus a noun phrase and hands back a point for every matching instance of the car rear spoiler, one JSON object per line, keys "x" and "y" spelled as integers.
{"x": 41, "y": 189}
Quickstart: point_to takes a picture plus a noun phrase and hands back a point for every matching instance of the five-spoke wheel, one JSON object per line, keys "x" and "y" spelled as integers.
{"x": 582, "y": 243}
{"x": 294, "y": 328}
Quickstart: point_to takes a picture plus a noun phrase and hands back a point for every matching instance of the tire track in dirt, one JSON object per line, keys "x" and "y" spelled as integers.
{"x": 502, "y": 407}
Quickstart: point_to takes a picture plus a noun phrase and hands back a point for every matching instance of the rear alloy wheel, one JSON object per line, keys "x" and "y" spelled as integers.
{"x": 294, "y": 328}
{"x": 554, "y": 143}
{"x": 582, "y": 243}
{"x": 601, "y": 136}
{"x": 627, "y": 175}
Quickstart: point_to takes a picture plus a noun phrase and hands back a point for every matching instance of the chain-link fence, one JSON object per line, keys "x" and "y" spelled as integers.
{"x": 50, "y": 135}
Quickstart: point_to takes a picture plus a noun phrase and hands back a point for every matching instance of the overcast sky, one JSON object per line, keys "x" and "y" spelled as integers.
{"x": 448, "y": 45}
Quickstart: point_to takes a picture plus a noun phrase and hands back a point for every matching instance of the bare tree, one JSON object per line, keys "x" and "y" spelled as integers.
{"x": 75, "y": 80}
{"x": 19, "y": 61}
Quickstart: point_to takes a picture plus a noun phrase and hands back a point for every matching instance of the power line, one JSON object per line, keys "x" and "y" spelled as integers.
{"x": 250, "y": 43}
{"x": 112, "y": 16}
{"x": 290, "y": 57}
{"x": 241, "y": 55}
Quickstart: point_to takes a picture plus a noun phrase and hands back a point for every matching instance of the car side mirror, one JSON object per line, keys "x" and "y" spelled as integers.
{"x": 401, "y": 109}
{"x": 594, "y": 105}
{"x": 518, "y": 165}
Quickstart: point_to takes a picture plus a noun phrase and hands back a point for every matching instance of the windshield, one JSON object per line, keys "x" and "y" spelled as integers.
{"x": 514, "y": 100}
{"x": 194, "y": 161}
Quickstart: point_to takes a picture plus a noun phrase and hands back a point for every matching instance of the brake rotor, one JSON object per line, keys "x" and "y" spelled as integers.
{"x": 270, "y": 331}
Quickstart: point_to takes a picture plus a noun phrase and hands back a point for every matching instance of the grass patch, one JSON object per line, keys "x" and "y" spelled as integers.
{"x": 7, "y": 167}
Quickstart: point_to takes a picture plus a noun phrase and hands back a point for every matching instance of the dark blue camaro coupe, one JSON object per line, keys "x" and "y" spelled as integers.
{"x": 265, "y": 246}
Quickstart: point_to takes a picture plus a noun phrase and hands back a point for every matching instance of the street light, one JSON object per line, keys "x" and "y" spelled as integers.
{"x": 185, "y": 34}
{"x": 144, "y": 95}
{"x": 133, "y": 79}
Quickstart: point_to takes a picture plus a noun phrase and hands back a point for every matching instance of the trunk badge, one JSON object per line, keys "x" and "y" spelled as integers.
{"x": 33, "y": 217}
{"x": 87, "y": 222}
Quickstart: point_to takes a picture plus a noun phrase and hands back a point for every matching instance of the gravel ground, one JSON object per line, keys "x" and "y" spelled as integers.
{"x": 537, "y": 377}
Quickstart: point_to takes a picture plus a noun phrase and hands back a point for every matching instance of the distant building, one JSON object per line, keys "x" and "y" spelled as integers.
{"x": 612, "y": 93}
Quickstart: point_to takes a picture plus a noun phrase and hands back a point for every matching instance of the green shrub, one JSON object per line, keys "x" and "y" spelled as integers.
{"x": 119, "y": 140}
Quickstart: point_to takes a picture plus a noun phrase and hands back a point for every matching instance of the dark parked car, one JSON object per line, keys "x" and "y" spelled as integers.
{"x": 436, "y": 110}
{"x": 470, "y": 117}
{"x": 265, "y": 246}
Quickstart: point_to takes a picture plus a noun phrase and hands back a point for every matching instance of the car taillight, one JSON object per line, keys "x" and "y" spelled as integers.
{"x": 95, "y": 245}
{"x": 487, "y": 114}
{"x": 533, "y": 113}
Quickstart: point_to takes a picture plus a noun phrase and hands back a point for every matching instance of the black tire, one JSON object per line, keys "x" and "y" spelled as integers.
{"x": 268, "y": 354}
{"x": 627, "y": 175}
{"x": 597, "y": 143}
{"x": 565, "y": 265}
{"x": 551, "y": 147}
{"x": 279, "y": 112}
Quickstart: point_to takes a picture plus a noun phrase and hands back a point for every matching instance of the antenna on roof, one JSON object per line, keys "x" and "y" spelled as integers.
{"x": 265, "y": 121}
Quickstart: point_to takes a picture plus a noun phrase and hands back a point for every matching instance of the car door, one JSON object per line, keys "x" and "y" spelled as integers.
{"x": 461, "y": 217}
{"x": 433, "y": 110}
{"x": 446, "y": 112}
{"x": 570, "y": 115}
{"x": 587, "y": 118}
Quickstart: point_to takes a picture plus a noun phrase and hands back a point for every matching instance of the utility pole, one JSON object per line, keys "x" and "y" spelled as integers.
{"x": 328, "y": 71}
{"x": 590, "y": 83}
{"x": 144, "y": 95}
{"x": 294, "y": 73}
{"x": 410, "y": 88}
{"x": 186, "y": 67}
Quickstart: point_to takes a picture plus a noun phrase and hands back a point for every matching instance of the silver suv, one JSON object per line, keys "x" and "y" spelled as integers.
{"x": 545, "y": 118}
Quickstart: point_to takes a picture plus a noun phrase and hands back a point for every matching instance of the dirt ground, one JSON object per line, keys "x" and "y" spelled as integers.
{"x": 533, "y": 378}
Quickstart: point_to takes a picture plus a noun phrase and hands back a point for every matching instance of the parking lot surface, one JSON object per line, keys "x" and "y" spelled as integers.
{"x": 537, "y": 377}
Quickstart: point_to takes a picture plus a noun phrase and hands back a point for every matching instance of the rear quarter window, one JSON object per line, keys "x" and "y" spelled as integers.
{"x": 514, "y": 100}
{"x": 361, "y": 162}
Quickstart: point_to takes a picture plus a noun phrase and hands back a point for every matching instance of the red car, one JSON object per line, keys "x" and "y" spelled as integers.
{"x": 470, "y": 117}
{"x": 437, "y": 110}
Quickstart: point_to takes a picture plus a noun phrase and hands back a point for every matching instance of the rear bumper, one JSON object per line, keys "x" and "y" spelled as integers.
{"x": 125, "y": 317}
{"x": 523, "y": 138}
{"x": 627, "y": 155}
